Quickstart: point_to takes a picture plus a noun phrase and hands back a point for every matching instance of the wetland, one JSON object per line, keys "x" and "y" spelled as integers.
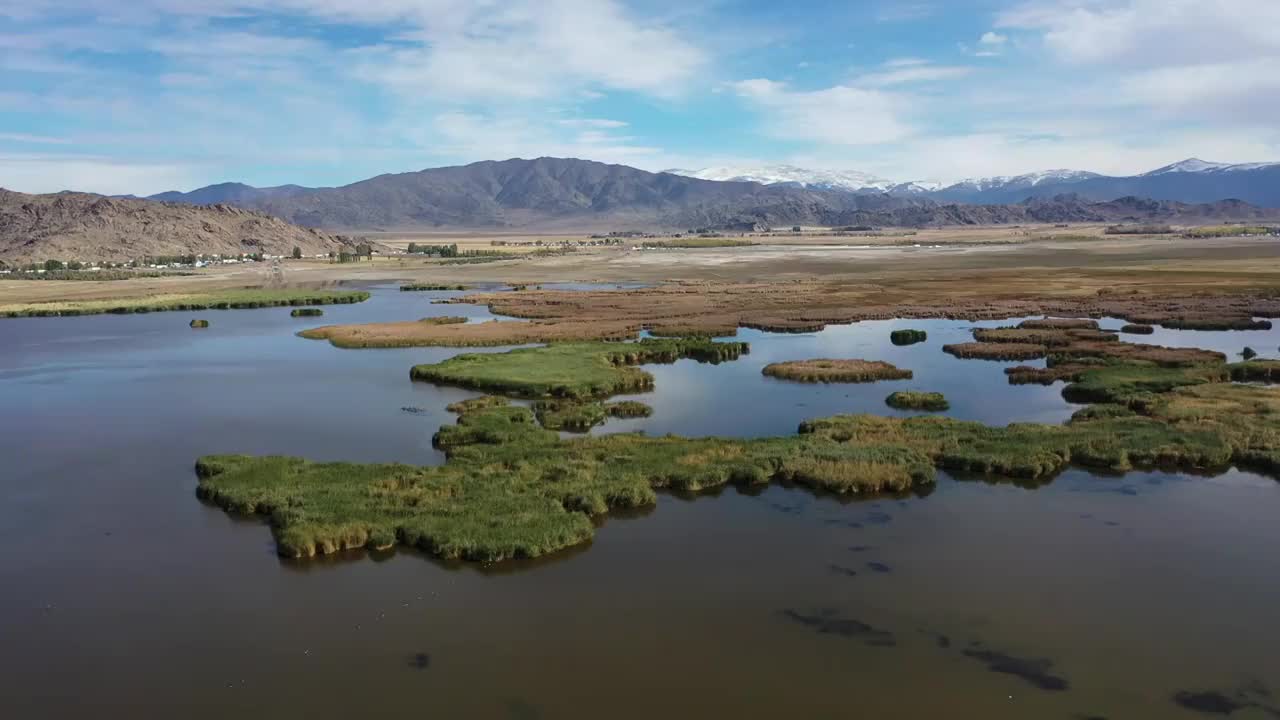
{"x": 1080, "y": 532}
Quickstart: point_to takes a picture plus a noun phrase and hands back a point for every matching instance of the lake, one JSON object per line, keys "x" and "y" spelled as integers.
{"x": 124, "y": 596}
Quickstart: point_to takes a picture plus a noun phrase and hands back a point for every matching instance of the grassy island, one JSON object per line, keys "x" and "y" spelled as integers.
{"x": 199, "y": 323}
{"x": 907, "y": 337}
{"x": 1136, "y": 329}
{"x": 996, "y": 350}
{"x": 222, "y": 300}
{"x": 511, "y": 488}
{"x": 915, "y": 400}
{"x": 827, "y": 370}
{"x": 306, "y": 312}
{"x": 572, "y": 370}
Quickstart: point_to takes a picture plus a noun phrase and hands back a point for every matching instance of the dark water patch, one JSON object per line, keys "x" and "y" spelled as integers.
{"x": 420, "y": 661}
{"x": 415, "y": 410}
{"x": 1209, "y": 702}
{"x": 827, "y": 621}
{"x": 879, "y": 567}
{"x": 1252, "y": 695}
{"x": 861, "y": 548}
{"x": 940, "y": 640}
{"x": 842, "y": 570}
{"x": 1034, "y": 671}
{"x": 839, "y": 522}
{"x": 518, "y": 709}
{"x": 876, "y": 517}
{"x": 786, "y": 509}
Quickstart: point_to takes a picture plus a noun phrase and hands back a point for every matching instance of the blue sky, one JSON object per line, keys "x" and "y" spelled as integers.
{"x": 148, "y": 95}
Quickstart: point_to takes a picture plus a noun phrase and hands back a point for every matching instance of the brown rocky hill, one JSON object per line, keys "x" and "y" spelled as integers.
{"x": 93, "y": 228}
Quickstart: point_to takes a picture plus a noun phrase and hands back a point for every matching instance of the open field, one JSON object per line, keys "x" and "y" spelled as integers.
{"x": 886, "y": 274}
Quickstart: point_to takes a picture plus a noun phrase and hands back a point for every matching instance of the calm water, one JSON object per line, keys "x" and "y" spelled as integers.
{"x": 121, "y": 595}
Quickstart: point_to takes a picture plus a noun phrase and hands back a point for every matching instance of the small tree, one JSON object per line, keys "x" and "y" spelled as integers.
{"x": 297, "y": 253}
{"x": 52, "y": 265}
{"x": 413, "y": 248}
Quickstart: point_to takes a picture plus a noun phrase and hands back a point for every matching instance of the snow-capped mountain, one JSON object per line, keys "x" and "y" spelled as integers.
{"x": 1024, "y": 181}
{"x": 789, "y": 174}
{"x": 1192, "y": 180}
{"x": 1196, "y": 165}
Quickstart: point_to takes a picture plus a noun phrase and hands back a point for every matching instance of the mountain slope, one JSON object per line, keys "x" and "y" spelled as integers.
{"x": 80, "y": 226}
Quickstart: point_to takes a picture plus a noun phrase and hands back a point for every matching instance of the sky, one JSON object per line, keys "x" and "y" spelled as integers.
{"x": 151, "y": 95}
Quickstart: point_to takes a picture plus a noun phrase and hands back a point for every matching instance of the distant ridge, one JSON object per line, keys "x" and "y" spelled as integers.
{"x": 570, "y": 193}
{"x": 94, "y": 228}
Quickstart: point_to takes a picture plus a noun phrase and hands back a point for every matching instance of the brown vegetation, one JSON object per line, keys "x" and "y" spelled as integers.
{"x": 827, "y": 370}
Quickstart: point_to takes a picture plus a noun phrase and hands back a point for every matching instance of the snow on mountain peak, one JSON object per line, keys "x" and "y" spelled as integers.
{"x": 789, "y": 174}
{"x": 1196, "y": 165}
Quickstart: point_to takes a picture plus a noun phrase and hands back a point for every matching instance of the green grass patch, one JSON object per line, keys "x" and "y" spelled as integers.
{"x": 306, "y": 312}
{"x": 590, "y": 370}
{"x": 915, "y": 400}
{"x": 221, "y": 300}
{"x": 908, "y": 337}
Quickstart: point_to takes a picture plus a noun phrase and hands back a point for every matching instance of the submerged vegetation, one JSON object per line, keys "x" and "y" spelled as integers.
{"x": 572, "y": 370}
{"x": 306, "y": 312}
{"x": 908, "y": 337}
{"x": 220, "y": 300}
{"x": 827, "y": 370}
{"x": 915, "y": 400}
{"x": 199, "y": 323}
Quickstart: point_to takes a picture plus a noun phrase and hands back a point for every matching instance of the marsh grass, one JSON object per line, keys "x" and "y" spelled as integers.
{"x": 1137, "y": 329}
{"x": 916, "y": 400}
{"x": 198, "y": 323}
{"x": 827, "y": 370}
{"x": 572, "y": 370}
{"x": 908, "y": 337}
{"x": 1267, "y": 371}
{"x": 1059, "y": 324}
{"x": 221, "y": 300}
{"x": 306, "y": 312}
{"x": 996, "y": 350}
{"x": 513, "y": 489}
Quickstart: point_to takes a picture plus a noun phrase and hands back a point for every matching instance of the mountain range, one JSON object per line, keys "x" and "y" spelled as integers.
{"x": 565, "y": 193}
{"x": 1192, "y": 181}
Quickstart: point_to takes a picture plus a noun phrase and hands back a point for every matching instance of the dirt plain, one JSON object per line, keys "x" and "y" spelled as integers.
{"x": 811, "y": 277}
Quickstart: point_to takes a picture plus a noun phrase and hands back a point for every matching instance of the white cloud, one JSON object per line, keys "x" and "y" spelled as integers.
{"x": 992, "y": 39}
{"x": 34, "y": 173}
{"x": 913, "y": 74}
{"x": 839, "y": 115}
{"x": 1184, "y": 58}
